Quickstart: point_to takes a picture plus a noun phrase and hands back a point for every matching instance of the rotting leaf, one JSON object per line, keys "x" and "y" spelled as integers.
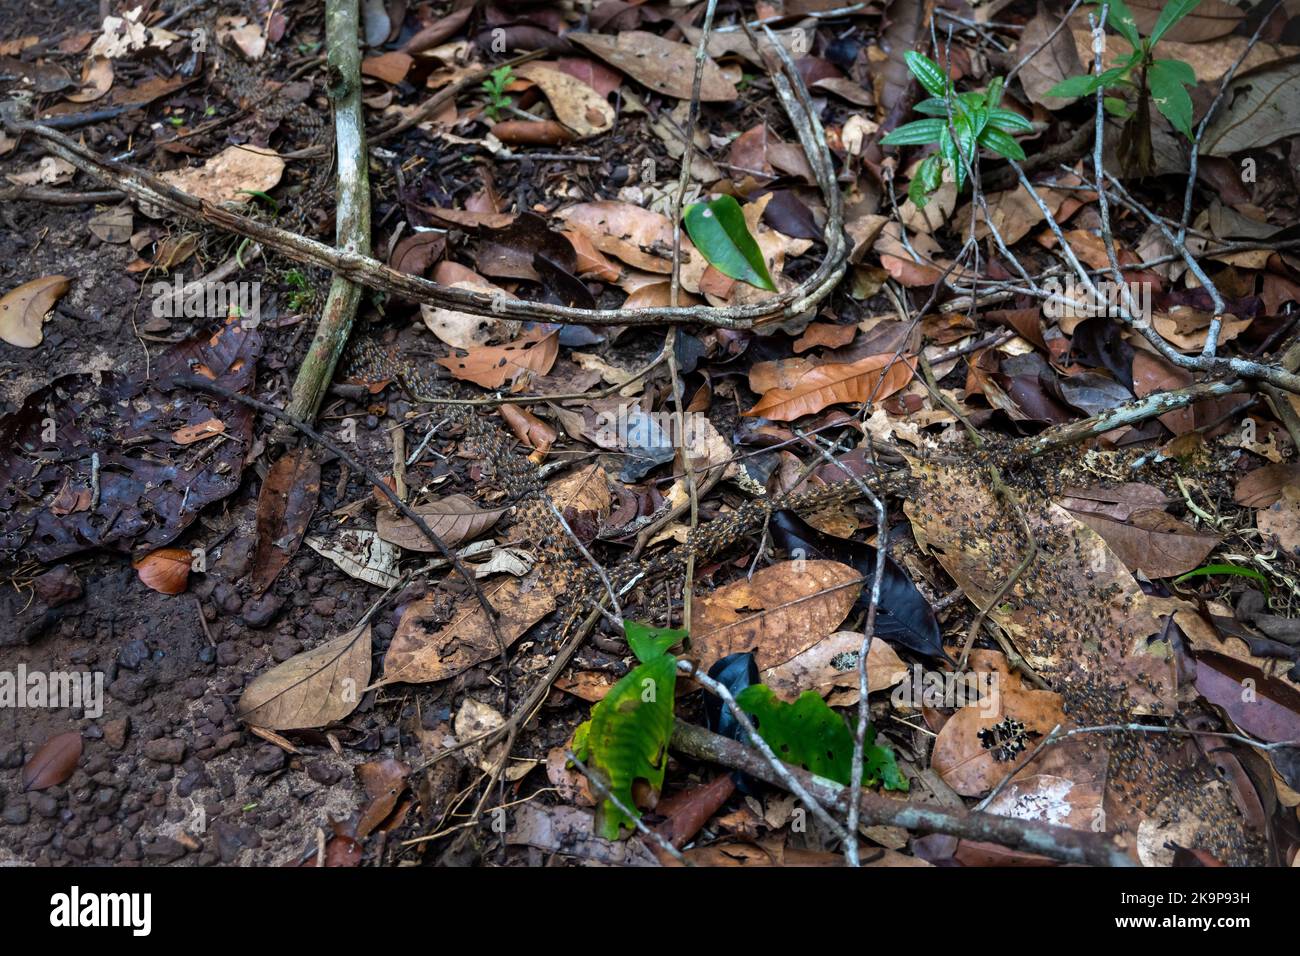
{"x": 284, "y": 509}
{"x": 311, "y": 689}
{"x": 494, "y": 366}
{"x": 423, "y": 651}
{"x": 903, "y": 615}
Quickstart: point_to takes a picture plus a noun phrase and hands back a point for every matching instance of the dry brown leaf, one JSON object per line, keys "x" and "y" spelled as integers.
{"x": 972, "y": 764}
{"x": 96, "y": 80}
{"x": 454, "y": 519}
{"x": 1108, "y": 638}
{"x": 585, "y": 491}
{"x": 423, "y": 651}
{"x": 1263, "y": 486}
{"x": 1281, "y": 520}
{"x": 1153, "y": 541}
{"x": 390, "y": 67}
{"x": 1053, "y": 63}
{"x": 311, "y": 689}
{"x": 780, "y": 612}
{"x": 658, "y": 64}
{"x": 461, "y": 329}
{"x": 832, "y": 664}
{"x": 494, "y": 366}
{"x": 576, "y": 104}
{"x": 53, "y": 763}
{"x": 229, "y": 176}
{"x": 872, "y": 379}
{"x": 639, "y": 237}
{"x": 25, "y": 309}
{"x": 166, "y": 570}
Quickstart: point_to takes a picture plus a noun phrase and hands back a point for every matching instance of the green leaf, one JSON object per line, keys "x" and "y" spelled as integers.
{"x": 928, "y": 177}
{"x": 917, "y": 133}
{"x": 934, "y": 106}
{"x": 993, "y": 95}
{"x": 927, "y": 71}
{"x": 1121, "y": 19}
{"x": 1010, "y": 122}
{"x": 1115, "y": 106}
{"x": 1173, "y": 11}
{"x": 1074, "y": 86}
{"x": 649, "y": 642}
{"x": 1230, "y": 569}
{"x": 809, "y": 734}
{"x": 627, "y": 737}
{"x": 1170, "y": 97}
{"x": 718, "y": 230}
{"x": 1179, "y": 70}
{"x": 1002, "y": 144}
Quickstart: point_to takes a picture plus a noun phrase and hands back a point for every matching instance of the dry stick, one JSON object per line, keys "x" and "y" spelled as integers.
{"x": 352, "y": 231}
{"x": 868, "y": 633}
{"x": 1235, "y": 366}
{"x": 1058, "y": 843}
{"x": 144, "y": 187}
{"x": 203, "y": 385}
{"x": 674, "y": 293}
{"x": 1130, "y": 413}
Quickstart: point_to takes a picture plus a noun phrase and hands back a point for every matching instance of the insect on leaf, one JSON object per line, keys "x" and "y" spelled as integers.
{"x": 718, "y": 230}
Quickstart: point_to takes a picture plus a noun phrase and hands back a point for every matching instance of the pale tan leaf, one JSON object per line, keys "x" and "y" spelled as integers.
{"x": 311, "y": 689}
{"x": 24, "y": 310}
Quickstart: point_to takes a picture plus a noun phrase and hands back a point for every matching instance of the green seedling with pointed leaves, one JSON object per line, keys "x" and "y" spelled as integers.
{"x": 959, "y": 123}
{"x": 495, "y": 88}
{"x": 1142, "y": 79}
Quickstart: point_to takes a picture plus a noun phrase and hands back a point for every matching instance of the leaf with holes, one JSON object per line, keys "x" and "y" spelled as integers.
{"x": 810, "y": 735}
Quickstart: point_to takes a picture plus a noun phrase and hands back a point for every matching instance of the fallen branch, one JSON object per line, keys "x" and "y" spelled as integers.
{"x": 352, "y": 219}
{"x": 1057, "y": 843}
{"x": 144, "y": 187}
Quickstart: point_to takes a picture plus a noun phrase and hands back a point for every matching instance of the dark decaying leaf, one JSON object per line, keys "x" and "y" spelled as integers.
{"x": 903, "y": 616}
{"x": 284, "y": 509}
{"x": 148, "y": 493}
{"x": 1270, "y": 711}
{"x": 53, "y": 763}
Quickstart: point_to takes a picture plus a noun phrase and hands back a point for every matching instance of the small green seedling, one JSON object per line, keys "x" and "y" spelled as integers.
{"x": 495, "y": 87}
{"x": 975, "y": 118}
{"x": 1139, "y": 80}
{"x": 301, "y": 294}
